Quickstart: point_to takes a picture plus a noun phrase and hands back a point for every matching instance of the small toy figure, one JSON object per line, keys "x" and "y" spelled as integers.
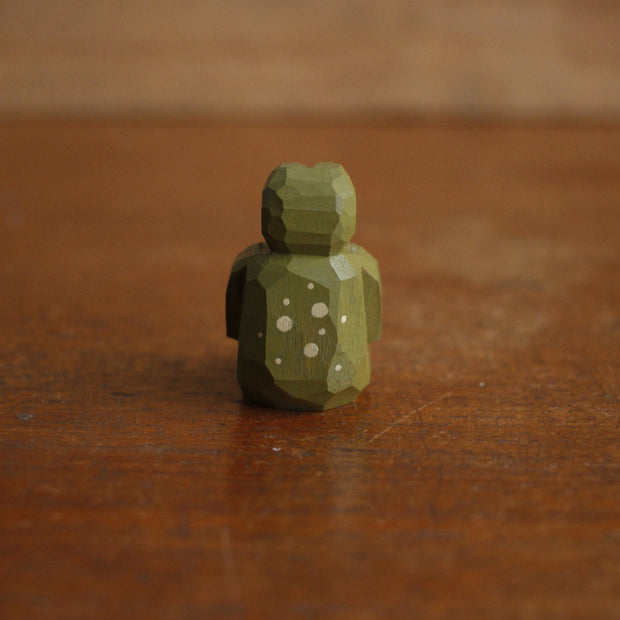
{"x": 305, "y": 306}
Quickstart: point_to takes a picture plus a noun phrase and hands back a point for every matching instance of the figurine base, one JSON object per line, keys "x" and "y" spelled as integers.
{"x": 285, "y": 402}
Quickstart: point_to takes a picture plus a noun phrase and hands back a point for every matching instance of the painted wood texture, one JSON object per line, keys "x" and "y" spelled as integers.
{"x": 476, "y": 477}
{"x": 306, "y": 304}
{"x": 498, "y": 58}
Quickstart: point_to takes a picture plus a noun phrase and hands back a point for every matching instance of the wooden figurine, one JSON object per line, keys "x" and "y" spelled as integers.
{"x": 305, "y": 305}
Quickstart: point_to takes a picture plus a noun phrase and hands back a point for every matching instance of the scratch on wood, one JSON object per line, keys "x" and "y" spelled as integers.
{"x": 408, "y": 416}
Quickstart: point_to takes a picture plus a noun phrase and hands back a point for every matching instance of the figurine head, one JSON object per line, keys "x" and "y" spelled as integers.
{"x": 308, "y": 210}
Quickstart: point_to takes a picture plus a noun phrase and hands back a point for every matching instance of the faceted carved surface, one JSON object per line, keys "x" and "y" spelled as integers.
{"x": 308, "y": 210}
{"x": 304, "y": 320}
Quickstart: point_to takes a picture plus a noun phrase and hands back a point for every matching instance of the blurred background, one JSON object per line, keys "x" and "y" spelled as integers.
{"x": 525, "y": 59}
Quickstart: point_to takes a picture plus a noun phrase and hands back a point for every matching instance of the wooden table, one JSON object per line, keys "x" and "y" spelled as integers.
{"x": 477, "y": 477}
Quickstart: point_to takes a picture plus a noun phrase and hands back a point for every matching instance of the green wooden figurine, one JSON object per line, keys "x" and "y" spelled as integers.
{"x": 305, "y": 305}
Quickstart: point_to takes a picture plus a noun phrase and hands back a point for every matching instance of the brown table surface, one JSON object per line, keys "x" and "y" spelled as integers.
{"x": 477, "y": 476}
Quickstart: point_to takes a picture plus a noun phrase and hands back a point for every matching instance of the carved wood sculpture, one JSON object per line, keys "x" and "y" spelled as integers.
{"x": 305, "y": 305}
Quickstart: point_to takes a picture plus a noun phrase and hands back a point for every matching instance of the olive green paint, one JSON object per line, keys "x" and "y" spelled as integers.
{"x": 305, "y": 306}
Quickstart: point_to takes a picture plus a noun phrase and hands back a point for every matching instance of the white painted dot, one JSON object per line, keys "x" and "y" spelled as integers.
{"x": 319, "y": 310}
{"x": 260, "y": 334}
{"x": 337, "y": 367}
{"x": 322, "y": 331}
{"x": 310, "y": 285}
{"x": 343, "y": 318}
{"x": 278, "y": 361}
{"x": 311, "y": 350}
{"x": 284, "y": 323}
{"x": 286, "y": 301}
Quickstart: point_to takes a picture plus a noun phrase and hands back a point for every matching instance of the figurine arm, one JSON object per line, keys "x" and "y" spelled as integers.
{"x": 372, "y": 295}
{"x": 236, "y": 287}
{"x": 234, "y": 299}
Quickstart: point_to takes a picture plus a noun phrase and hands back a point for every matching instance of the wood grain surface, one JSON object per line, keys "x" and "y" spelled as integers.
{"x": 531, "y": 58}
{"x": 477, "y": 476}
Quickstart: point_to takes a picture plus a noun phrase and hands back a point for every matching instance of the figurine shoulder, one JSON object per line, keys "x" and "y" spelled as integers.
{"x": 249, "y": 254}
{"x": 362, "y": 258}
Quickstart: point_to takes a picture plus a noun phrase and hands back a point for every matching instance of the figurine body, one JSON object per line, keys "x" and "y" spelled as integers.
{"x": 305, "y": 306}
